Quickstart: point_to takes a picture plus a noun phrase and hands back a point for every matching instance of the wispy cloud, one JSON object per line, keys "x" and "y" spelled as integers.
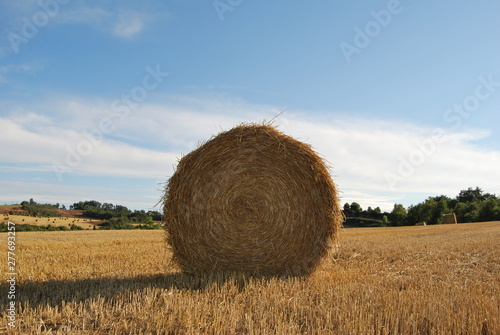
{"x": 45, "y": 145}
{"x": 20, "y": 7}
{"x": 123, "y": 22}
{"x": 363, "y": 151}
{"x": 123, "y": 19}
{"x": 17, "y": 69}
{"x": 128, "y": 24}
{"x": 84, "y": 15}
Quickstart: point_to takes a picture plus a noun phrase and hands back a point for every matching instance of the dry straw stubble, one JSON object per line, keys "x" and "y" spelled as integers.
{"x": 251, "y": 200}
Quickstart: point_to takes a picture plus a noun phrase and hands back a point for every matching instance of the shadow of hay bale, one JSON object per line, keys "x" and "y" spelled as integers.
{"x": 251, "y": 200}
{"x": 56, "y": 292}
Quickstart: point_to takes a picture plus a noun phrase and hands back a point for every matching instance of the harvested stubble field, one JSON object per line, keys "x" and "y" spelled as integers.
{"x": 84, "y": 223}
{"x": 413, "y": 280}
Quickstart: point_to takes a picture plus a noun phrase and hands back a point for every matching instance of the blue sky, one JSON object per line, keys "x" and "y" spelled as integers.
{"x": 98, "y": 99}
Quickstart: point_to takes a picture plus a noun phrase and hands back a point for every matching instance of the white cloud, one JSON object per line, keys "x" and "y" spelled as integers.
{"x": 20, "y": 7}
{"x": 122, "y": 19}
{"x": 128, "y": 24}
{"x": 84, "y": 15}
{"x": 362, "y": 152}
{"x": 181, "y": 122}
{"x": 16, "y": 69}
{"x": 149, "y": 141}
{"x": 74, "y": 152}
{"x": 120, "y": 22}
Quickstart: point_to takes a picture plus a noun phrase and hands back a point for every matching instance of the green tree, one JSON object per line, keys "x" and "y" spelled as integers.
{"x": 470, "y": 194}
{"x": 157, "y": 216}
{"x": 118, "y": 223}
{"x": 398, "y": 215}
{"x": 460, "y": 209}
{"x": 121, "y": 211}
{"x": 356, "y": 208}
{"x": 413, "y": 214}
{"x": 470, "y": 212}
{"x": 421, "y": 212}
{"x": 440, "y": 207}
{"x": 108, "y": 206}
{"x": 83, "y": 205}
{"x": 140, "y": 216}
{"x": 490, "y": 210}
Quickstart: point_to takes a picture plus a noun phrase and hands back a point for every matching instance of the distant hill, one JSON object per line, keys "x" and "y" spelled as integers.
{"x": 18, "y": 210}
{"x": 30, "y": 215}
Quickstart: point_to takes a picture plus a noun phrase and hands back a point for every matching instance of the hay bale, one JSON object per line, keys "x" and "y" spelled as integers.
{"x": 251, "y": 200}
{"x": 450, "y": 218}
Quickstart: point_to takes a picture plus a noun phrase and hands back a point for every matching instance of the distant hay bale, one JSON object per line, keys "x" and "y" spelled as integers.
{"x": 251, "y": 200}
{"x": 450, "y": 218}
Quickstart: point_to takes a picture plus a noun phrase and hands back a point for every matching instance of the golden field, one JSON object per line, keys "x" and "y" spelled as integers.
{"x": 85, "y": 223}
{"x": 411, "y": 280}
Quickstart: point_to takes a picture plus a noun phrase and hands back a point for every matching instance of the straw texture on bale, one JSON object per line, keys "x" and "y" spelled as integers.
{"x": 251, "y": 200}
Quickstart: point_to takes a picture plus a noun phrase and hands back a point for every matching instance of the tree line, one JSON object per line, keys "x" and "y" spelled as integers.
{"x": 471, "y": 205}
{"x": 114, "y": 216}
{"x": 118, "y": 216}
{"x": 35, "y": 209}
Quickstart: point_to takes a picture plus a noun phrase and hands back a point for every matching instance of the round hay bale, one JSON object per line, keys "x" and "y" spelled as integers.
{"x": 251, "y": 200}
